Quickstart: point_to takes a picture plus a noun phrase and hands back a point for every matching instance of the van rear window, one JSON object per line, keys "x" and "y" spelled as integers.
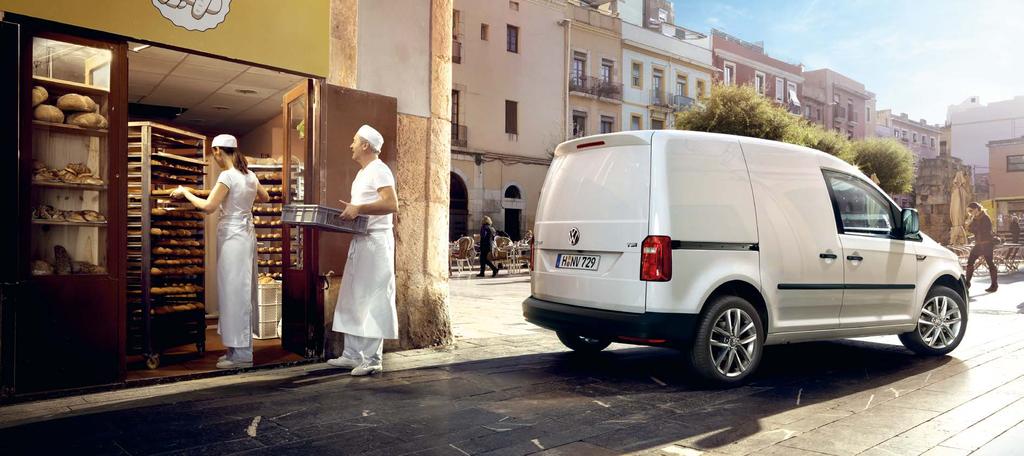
{"x": 607, "y": 183}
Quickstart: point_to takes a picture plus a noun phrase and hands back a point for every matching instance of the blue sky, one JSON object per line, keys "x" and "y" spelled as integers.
{"x": 917, "y": 56}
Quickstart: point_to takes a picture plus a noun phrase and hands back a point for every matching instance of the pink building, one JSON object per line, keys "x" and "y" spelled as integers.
{"x": 742, "y": 62}
{"x": 839, "y": 103}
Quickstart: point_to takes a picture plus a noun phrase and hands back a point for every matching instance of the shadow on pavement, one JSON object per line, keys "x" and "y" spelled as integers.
{"x": 624, "y": 400}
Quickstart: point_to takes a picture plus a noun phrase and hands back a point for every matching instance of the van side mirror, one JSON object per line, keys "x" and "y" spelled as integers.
{"x": 911, "y": 223}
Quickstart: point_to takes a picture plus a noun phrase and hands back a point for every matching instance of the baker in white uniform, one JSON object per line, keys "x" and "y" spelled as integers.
{"x": 233, "y": 194}
{"x": 366, "y": 303}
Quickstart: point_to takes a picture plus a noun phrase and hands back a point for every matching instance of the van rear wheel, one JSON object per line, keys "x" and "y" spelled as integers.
{"x": 940, "y": 325}
{"x": 729, "y": 341}
{"x": 583, "y": 344}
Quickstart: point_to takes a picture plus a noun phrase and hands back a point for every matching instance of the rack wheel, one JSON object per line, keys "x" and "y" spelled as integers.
{"x": 152, "y": 361}
{"x": 201, "y": 347}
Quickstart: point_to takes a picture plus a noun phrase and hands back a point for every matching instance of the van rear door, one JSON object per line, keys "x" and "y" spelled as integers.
{"x": 592, "y": 218}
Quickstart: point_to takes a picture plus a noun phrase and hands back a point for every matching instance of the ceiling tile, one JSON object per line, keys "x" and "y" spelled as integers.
{"x": 182, "y": 92}
{"x": 138, "y": 62}
{"x": 206, "y": 73}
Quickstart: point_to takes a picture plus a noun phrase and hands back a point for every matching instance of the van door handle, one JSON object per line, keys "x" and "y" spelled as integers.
{"x": 855, "y": 258}
{"x": 827, "y": 256}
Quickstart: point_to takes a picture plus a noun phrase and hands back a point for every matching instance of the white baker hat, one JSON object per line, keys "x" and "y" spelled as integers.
{"x": 225, "y": 141}
{"x": 371, "y": 136}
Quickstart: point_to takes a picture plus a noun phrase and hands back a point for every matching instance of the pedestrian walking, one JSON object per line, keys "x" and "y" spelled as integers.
{"x": 1015, "y": 229}
{"x": 234, "y": 193}
{"x": 984, "y": 243}
{"x": 487, "y": 235}
{"x": 365, "y": 312}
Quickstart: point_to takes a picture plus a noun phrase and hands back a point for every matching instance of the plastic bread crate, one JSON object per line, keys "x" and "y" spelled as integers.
{"x": 322, "y": 217}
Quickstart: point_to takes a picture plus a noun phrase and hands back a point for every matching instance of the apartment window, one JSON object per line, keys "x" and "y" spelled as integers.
{"x": 682, "y": 85}
{"x": 656, "y": 77}
{"x": 780, "y": 88}
{"x": 607, "y": 124}
{"x": 607, "y": 69}
{"x": 700, "y": 88}
{"x": 849, "y": 109}
{"x": 1014, "y": 163}
{"x": 455, "y": 107}
{"x": 849, "y": 134}
{"x": 511, "y": 117}
{"x": 896, "y": 133}
{"x": 662, "y": 15}
{"x": 759, "y": 81}
{"x": 512, "y": 39}
{"x": 579, "y": 68}
{"x": 635, "y": 122}
{"x": 579, "y": 124}
{"x": 485, "y": 32}
{"x": 867, "y": 114}
{"x": 637, "y": 75}
{"x": 657, "y": 124}
{"x": 791, "y": 88}
{"x": 456, "y": 20}
{"x": 933, "y": 141}
{"x": 915, "y": 137}
{"x": 729, "y": 73}
{"x": 513, "y": 5}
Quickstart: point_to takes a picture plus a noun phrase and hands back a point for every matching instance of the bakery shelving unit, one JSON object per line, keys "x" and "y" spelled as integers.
{"x": 166, "y": 241}
{"x": 269, "y": 250}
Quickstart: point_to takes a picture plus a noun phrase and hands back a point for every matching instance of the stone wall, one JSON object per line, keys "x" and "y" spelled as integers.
{"x": 932, "y": 191}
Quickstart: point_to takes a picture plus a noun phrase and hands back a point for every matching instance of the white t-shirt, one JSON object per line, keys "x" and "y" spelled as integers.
{"x": 242, "y": 190}
{"x": 374, "y": 176}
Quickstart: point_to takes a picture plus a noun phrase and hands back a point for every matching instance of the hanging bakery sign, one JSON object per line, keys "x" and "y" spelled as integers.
{"x": 195, "y": 15}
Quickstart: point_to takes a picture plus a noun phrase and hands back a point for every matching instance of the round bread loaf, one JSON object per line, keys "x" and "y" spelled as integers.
{"x": 39, "y": 95}
{"x": 76, "y": 103}
{"x": 87, "y": 120}
{"x": 48, "y": 113}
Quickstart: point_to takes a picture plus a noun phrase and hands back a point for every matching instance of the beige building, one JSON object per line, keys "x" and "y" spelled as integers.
{"x": 839, "y": 103}
{"x": 921, "y": 138}
{"x": 595, "y": 78}
{"x": 509, "y": 111}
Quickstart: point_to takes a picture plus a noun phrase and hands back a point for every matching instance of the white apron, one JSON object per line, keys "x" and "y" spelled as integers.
{"x": 236, "y": 279}
{"x": 366, "y": 302}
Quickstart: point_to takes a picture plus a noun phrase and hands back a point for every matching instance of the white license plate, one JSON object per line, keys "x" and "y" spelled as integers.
{"x": 584, "y": 262}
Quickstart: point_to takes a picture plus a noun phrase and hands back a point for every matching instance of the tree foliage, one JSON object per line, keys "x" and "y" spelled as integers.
{"x": 740, "y": 110}
{"x": 887, "y": 159}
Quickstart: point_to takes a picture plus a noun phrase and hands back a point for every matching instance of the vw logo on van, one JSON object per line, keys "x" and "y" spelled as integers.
{"x": 574, "y": 236}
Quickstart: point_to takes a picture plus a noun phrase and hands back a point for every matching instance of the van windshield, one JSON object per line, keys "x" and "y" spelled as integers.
{"x": 605, "y": 184}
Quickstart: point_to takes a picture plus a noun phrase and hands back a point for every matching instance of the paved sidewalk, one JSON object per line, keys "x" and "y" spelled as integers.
{"x": 521, "y": 394}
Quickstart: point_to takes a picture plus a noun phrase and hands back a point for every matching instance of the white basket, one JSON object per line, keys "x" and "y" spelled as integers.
{"x": 267, "y": 330}
{"x": 268, "y": 314}
{"x": 269, "y": 293}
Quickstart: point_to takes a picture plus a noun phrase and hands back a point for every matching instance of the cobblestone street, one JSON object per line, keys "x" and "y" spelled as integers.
{"x": 507, "y": 387}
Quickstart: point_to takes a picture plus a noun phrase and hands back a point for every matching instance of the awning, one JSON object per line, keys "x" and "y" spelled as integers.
{"x": 792, "y": 98}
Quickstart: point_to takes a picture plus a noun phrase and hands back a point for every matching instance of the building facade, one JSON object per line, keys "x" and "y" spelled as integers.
{"x": 974, "y": 124}
{"x": 921, "y": 138}
{"x": 595, "y": 76}
{"x": 509, "y": 112}
{"x": 663, "y": 73}
{"x": 742, "y": 62}
{"x": 1006, "y": 168}
{"x": 839, "y": 103}
{"x": 643, "y": 13}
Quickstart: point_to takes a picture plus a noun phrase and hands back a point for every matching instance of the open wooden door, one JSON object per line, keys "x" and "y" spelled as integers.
{"x": 10, "y": 281}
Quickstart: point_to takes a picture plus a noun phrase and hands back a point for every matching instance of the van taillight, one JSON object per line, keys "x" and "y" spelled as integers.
{"x": 656, "y": 259}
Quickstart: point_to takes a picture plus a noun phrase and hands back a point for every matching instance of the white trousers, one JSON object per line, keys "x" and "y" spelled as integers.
{"x": 368, "y": 350}
{"x": 240, "y": 355}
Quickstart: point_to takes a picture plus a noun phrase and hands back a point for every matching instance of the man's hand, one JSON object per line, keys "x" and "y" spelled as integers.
{"x": 350, "y": 212}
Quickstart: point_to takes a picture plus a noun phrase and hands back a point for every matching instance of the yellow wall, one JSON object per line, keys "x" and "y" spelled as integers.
{"x": 275, "y": 33}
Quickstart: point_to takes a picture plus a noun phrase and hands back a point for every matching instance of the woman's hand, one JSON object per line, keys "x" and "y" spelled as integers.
{"x": 180, "y": 192}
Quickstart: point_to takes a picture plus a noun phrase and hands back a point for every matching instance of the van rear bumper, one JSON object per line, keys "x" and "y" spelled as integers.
{"x": 654, "y": 328}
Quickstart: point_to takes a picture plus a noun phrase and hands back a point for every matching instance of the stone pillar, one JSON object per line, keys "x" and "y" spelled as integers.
{"x": 424, "y": 164}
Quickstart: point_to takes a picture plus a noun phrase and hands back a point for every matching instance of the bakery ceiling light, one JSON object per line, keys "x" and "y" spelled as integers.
{"x": 246, "y": 91}
{"x": 221, "y": 108}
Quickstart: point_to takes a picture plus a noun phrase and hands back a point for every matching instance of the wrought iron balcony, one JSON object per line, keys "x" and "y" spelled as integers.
{"x": 456, "y": 51}
{"x": 460, "y": 135}
{"x": 681, "y": 102}
{"x": 595, "y": 86}
{"x": 658, "y": 98}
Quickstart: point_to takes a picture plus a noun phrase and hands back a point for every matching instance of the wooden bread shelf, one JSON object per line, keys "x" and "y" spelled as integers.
{"x": 71, "y": 129}
{"x": 48, "y": 184}
{"x": 71, "y": 87}
{"x": 67, "y": 223}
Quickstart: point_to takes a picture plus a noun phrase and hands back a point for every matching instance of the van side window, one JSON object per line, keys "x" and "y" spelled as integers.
{"x": 861, "y": 209}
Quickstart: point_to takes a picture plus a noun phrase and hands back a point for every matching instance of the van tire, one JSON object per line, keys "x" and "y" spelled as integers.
{"x": 583, "y": 344}
{"x": 938, "y": 296}
{"x": 701, "y": 357}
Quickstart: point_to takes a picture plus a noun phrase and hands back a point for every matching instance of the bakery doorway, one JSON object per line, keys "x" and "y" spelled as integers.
{"x": 177, "y": 102}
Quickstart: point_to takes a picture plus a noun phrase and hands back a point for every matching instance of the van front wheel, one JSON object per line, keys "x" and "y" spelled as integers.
{"x": 729, "y": 341}
{"x": 583, "y": 344}
{"x": 940, "y": 325}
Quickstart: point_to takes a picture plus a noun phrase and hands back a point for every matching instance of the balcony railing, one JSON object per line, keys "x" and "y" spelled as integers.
{"x": 456, "y": 51}
{"x": 460, "y": 135}
{"x": 595, "y": 86}
{"x": 658, "y": 98}
{"x": 681, "y": 102}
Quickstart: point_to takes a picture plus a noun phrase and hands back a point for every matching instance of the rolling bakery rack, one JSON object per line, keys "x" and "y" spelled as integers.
{"x": 269, "y": 248}
{"x": 166, "y": 241}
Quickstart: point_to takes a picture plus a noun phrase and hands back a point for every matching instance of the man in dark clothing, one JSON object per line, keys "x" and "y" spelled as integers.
{"x": 1015, "y": 229}
{"x": 984, "y": 243}
{"x": 486, "y": 245}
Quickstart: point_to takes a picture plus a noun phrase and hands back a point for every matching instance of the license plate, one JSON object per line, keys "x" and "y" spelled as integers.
{"x": 584, "y": 262}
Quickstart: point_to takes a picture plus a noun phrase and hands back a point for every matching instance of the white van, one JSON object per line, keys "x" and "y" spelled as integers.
{"x": 720, "y": 245}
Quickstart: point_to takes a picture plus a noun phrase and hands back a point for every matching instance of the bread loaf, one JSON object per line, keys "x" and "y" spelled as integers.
{"x": 87, "y": 120}
{"x": 62, "y": 260}
{"x": 40, "y": 267}
{"x": 76, "y": 103}
{"x": 48, "y": 113}
{"x": 39, "y": 95}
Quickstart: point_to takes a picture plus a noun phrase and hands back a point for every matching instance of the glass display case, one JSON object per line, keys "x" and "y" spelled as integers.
{"x": 70, "y": 158}
{"x": 296, "y": 148}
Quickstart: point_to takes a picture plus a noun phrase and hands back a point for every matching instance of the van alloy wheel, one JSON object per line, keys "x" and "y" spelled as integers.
{"x": 733, "y": 342}
{"x": 940, "y": 322}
